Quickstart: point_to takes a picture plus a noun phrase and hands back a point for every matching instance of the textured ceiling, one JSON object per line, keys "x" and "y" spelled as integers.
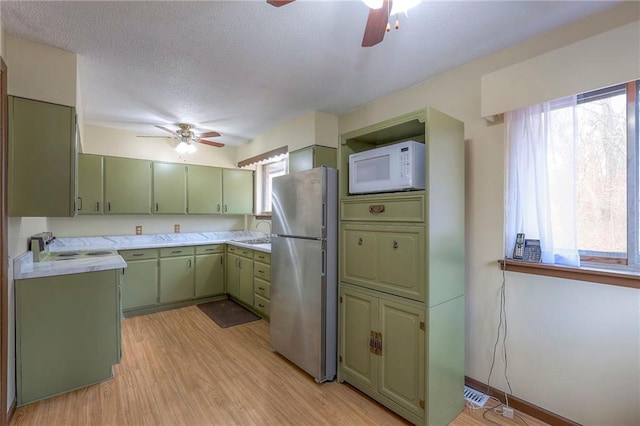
{"x": 243, "y": 67}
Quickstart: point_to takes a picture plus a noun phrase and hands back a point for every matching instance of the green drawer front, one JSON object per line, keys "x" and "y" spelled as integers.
{"x": 398, "y": 208}
{"x": 261, "y": 304}
{"x": 262, "y": 256}
{"x": 261, "y": 270}
{"x": 176, "y": 251}
{"x": 240, "y": 251}
{"x": 213, "y": 248}
{"x": 139, "y": 254}
{"x": 262, "y": 288}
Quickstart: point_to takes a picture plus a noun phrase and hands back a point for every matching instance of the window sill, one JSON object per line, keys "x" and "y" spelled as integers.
{"x": 601, "y": 276}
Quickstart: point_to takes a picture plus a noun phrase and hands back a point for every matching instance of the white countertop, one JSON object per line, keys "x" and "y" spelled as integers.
{"x": 24, "y": 266}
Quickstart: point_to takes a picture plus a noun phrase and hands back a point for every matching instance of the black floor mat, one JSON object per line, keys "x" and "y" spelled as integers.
{"x": 227, "y": 313}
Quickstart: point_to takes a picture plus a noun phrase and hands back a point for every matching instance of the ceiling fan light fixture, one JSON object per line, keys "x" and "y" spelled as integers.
{"x": 401, "y": 6}
{"x": 182, "y": 147}
{"x": 373, "y": 4}
{"x": 191, "y": 148}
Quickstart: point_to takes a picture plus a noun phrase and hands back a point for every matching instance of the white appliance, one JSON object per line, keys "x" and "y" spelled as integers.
{"x": 397, "y": 167}
{"x": 304, "y": 278}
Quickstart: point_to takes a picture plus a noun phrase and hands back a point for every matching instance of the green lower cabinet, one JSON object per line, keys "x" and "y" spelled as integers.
{"x": 382, "y": 349}
{"x": 140, "y": 284}
{"x": 245, "y": 277}
{"x": 240, "y": 274}
{"x": 233, "y": 274}
{"x": 67, "y": 332}
{"x": 209, "y": 274}
{"x": 177, "y": 274}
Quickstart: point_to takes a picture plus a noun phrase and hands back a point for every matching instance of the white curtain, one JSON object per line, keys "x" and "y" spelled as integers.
{"x": 541, "y": 182}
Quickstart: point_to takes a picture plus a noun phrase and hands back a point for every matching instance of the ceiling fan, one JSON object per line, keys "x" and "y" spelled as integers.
{"x": 187, "y": 138}
{"x": 377, "y": 22}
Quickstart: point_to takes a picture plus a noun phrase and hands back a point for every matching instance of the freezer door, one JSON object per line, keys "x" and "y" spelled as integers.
{"x": 300, "y": 300}
{"x": 299, "y": 203}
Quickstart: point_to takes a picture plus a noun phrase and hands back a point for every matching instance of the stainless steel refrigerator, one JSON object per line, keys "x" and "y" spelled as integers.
{"x": 304, "y": 288}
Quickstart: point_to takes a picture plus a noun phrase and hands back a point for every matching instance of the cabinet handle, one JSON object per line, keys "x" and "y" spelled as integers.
{"x": 138, "y": 254}
{"x": 360, "y": 242}
{"x": 222, "y": 260}
{"x": 372, "y": 341}
{"x": 189, "y": 263}
{"x": 176, "y": 251}
{"x": 239, "y": 263}
{"x": 218, "y": 207}
{"x": 395, "y": 244}
{"x": 261, "y": 271}
{"x": 109, "y": 206}
{"x": 79, "y": 203}
{"x": 225, "y": 208}
{"x": 379, "y": 343}
{"x": 376, "y": 208}
{"x": 209, "y": 249}
{"x": 261, "y": 288}
{"x": 261, "y": 305}
{"x": 156, "y": 206}
{"x": 97, "y": 206}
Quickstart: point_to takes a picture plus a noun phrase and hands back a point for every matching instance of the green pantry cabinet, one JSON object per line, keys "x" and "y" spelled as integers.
{"x": 159, "y": 278}
{"x": 133, "y": 186}
{"x": 401, "y": 315}
{"x": 63, "y": 345}
{"x": 42, "y": 159}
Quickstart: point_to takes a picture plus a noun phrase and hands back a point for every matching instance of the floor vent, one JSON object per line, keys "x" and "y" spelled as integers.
{"x": 475, "y": 397}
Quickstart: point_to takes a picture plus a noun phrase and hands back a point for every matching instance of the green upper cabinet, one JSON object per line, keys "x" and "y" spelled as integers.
{"x": 204, "y": 190}
{"x": 42, "y": 159}
{"x": 169, "y": 188}
{"x": 311, "y": 157}
{"x": 127, "y": 185}
{"x": 237, "y": 191}
{"x": 90, "y": 188}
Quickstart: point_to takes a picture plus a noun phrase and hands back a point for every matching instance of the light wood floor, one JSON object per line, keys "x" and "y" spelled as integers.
{"x": 180, "y": 368}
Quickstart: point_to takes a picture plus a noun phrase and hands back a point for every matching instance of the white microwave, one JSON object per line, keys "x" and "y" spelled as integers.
{"x": 397, "y": 167}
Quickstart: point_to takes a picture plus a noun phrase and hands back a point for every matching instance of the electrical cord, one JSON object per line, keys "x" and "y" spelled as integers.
{"x": 502, "y": 325}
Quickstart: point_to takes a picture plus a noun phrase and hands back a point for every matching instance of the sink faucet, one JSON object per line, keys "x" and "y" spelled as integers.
{"x": 268, "y": 224}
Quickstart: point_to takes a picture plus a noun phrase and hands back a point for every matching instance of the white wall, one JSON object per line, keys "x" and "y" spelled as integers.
{"x": 573, "y": 347}
{"x": 41, "y": 72}
{"x": 313, "y": 128}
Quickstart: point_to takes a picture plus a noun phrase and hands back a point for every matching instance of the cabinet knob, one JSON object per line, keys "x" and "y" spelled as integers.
{"x": 360, "y": 242}
{"x": 395, "y": 244}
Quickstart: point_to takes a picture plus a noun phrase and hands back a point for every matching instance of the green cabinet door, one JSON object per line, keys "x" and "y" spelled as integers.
{"x": 169, "y": 188}
{"x": 42, "y": 159}
{"x": 245, "y": 279}
{"x": 67, "y": 332}
{"x": 140, "y": 284}
{"x": 127, "y": 185}
{"x": 359, "y": 319}
{"x": 312, "y": 157}
{"x": 209, "y": 274}
{"x": 204, "y": 190}
{"x": 402, "y": 359}
{"x": 237, "y": 191}
{"x": 90, "y": 185}
{"x": 176, "y": 279}
{"x": 233, "y": 275}
{"x": 385, "y": 258}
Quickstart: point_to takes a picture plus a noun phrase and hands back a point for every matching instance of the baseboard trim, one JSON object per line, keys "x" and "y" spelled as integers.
{"x": 12, "y": 410}
{"x": 521, "y": 405}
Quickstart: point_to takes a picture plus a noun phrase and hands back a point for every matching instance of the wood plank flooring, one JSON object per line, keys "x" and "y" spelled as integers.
{"x": 179, "y": 368}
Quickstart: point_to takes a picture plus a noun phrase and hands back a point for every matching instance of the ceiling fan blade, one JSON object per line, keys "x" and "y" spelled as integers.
{"x": 155, "y": 137}
{"x": 209, "y": 135}
{"x": 212, "y": 143}
{"x": 278, "y": 3}
{"x": 376, "y": 25}
{"x": 173, "y": 132}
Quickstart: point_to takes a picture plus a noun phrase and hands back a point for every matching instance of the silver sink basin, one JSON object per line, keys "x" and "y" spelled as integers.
{"x": 255, "y": 241}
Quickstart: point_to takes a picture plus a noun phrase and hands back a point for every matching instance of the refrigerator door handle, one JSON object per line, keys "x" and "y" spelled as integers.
{"x": 324, "y": 218}
{"x": 324, "y": 263}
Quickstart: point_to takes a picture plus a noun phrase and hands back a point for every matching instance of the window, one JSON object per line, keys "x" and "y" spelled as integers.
{"x": 572, "y": 177}
{"x": 268, "y": 172}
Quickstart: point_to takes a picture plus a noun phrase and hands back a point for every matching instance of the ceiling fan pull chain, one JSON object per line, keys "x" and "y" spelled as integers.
{"x": 397, "y": 22}
{"x": 388, "y": 27}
